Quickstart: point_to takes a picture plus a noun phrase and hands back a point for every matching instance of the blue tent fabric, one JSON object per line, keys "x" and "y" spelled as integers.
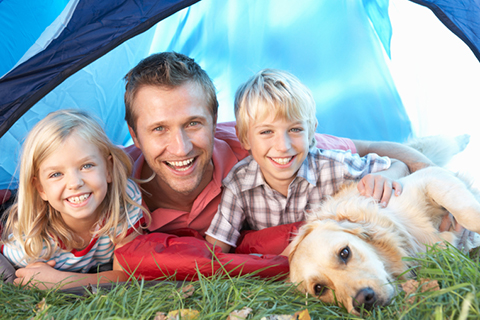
{"x": 462, "y": 17}
{"x": 95, "y": 28}
{"x": 337, "y": 48}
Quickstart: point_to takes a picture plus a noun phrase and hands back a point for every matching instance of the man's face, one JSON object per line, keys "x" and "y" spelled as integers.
{"x": 175, "y": 130}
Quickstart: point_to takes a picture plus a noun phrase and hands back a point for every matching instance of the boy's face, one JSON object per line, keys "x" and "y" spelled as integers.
{"x": 279, "y": 146}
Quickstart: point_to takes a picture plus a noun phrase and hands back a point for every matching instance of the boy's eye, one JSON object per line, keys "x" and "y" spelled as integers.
{"x": 266, "y": 132}
{"x": 296, "y": 129}
{"x": 87, "y": 166}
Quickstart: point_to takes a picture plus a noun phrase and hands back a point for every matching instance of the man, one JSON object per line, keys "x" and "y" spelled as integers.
{"x": 171, "y": 111}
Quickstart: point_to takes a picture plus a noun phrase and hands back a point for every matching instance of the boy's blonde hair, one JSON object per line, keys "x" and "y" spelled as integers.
{"x": 32, "y": 221}
{"x": 275, "y": 92}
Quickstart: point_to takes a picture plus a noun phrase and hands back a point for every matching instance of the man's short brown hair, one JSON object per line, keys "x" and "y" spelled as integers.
{"x": 168, "y": 70}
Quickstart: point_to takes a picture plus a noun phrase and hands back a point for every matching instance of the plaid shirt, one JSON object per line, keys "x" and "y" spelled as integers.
{"x": 247, "y": 196}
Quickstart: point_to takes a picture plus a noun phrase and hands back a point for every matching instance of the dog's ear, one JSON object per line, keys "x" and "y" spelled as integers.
{"x": 302, "y": 233}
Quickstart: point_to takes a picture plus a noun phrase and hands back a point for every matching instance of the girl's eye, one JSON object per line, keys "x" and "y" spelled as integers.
{"x": 55, "y": 175}
{"x": 87, "y": 166}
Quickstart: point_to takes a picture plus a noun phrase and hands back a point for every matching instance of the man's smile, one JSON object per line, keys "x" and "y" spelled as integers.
{"x": 180, "y": 165}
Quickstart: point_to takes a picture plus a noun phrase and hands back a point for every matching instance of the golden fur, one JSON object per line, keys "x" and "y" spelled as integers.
{"x": 350, "y": 250}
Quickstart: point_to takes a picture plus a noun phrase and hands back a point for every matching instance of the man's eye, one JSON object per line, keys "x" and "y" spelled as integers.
{"x": 193, "y": 123}
{"x": 159, "y": 128}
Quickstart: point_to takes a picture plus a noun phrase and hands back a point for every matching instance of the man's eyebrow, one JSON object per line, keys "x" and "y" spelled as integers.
{"x": 156, "y": 124}
{"x": 196, "y": 117}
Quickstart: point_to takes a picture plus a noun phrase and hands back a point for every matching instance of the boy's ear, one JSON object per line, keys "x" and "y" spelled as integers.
{"x": 109, "y": 168}
{"x": 38, "y": 186}
{"x": 243, "y": 142}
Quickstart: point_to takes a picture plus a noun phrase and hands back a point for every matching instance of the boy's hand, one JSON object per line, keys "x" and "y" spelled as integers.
{"x": 38, "y": 272}
{"x": 379, "y": 188}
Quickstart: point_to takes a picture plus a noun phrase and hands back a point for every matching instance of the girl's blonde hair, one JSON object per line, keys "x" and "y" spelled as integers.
{"x": 32, "y": 221}
{"x": 275, "y": 92}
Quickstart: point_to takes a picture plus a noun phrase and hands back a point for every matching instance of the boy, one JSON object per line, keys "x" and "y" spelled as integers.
{"x": 285, "y": 173}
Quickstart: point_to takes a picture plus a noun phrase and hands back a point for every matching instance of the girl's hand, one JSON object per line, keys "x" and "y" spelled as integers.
{"x": 379, "y": 188}
{"x": 38, "y": 272}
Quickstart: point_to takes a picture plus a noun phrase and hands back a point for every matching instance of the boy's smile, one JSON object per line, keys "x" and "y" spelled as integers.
{"x": 279, "y": 146}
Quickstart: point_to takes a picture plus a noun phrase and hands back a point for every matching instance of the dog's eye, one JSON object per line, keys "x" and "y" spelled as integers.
{"x": 319, "y": 289}
{"x": 345, "y": 253}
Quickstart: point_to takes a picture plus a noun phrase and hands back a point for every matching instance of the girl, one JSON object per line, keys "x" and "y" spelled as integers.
{"x": 75, "y": 204}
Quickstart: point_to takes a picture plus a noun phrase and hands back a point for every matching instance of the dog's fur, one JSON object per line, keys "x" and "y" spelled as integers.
{"x": 350, "y": 250}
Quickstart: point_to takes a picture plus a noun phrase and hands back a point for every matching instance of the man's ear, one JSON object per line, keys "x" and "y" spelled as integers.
{"x": 109, "y": 168}
{"x": 38, "y": 186}
{"x": 134, "y": 137}
{"x": 243, "y": 142}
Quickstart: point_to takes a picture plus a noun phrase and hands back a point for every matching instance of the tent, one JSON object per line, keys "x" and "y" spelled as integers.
{"x": 74, "y": 53}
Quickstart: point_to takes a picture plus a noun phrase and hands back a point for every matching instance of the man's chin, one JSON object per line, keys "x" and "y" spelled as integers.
{"x": 185, "y": 187}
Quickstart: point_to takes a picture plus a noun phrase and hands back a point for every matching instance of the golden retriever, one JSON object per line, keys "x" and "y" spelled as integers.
{"x": 350, "y": 250}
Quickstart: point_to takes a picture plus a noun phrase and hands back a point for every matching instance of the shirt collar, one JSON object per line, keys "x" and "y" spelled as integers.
{"x": 309, "y": 169}
{"x": 253, "y": 176}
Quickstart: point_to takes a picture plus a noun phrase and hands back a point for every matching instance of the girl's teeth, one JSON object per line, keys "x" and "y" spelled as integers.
{"x": 79, "y": 199}
{"x": 282, "y": 160}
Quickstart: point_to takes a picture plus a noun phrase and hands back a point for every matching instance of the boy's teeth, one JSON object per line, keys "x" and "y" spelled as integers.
{"x": 79, "y": 199}
{"x": 184, "y": 163}
{"x": 282, "y": 160}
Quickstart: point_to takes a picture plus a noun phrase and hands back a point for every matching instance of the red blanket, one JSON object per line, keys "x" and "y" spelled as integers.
{"x": 183, "y": 254}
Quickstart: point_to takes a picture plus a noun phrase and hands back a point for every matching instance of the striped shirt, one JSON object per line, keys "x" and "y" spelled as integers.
{"x": 98, "y": 252}
{"x": 247, "y": 197}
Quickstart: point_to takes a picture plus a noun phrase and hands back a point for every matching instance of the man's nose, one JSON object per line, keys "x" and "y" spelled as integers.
{"x": 181, "y": 143}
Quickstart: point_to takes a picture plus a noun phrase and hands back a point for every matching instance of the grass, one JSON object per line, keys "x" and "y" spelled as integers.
{"x": 216, "y": 297}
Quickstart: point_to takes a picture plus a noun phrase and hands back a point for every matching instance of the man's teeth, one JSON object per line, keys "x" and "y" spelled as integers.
{"x": 79, "y": 199}
{"x": 180, "y": 165}
{"x": 282, "y": 160}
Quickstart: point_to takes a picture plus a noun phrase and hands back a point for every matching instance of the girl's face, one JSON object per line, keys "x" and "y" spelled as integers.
{"x": 74, "y": 180}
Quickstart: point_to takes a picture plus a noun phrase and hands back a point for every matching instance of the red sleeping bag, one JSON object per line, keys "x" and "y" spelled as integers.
{"x": 183, "y": 254}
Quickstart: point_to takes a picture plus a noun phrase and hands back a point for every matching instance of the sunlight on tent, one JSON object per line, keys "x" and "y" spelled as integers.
{"x": 437, "y": 77}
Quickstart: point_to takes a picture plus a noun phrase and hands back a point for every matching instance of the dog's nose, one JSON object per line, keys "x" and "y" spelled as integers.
{"x": 365, "y": 297}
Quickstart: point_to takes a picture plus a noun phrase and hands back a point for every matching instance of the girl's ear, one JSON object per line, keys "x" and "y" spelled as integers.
{"x": 38, "y": 186}
{"x": 109, "y": 168}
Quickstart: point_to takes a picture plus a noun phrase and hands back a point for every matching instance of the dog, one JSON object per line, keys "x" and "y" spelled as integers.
{"x": 350, "y": 249}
